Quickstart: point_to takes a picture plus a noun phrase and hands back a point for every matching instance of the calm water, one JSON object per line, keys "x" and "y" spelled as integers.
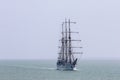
{"x": 45, "y": 70}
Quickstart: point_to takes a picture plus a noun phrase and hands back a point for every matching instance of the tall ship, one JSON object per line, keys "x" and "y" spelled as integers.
{"x": 66, "y": 59}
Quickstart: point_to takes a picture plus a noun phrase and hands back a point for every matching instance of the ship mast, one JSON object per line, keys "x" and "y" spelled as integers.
{"x": 69, "y": 39}
{"x": 69, "y": 42}
{"x": 66, "y": 53}
{"x": 66, "y": 41}
{"x": 62, "y": 41}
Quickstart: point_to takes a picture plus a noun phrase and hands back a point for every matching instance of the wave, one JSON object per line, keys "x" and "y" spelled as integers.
{"x": 46, "y": 68}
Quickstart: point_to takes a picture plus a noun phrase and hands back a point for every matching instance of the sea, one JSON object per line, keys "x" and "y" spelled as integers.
{"x": 46, "y": 70}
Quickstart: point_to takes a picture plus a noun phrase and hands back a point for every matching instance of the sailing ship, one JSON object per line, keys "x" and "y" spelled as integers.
{"x": 66, "y": 59}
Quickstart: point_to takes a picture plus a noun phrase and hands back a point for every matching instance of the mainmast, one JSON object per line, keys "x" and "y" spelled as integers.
{"x": 69, "y": 42}
{"x": 69, "y": 39}
{"x": 62, "y": 41}
{"x": 66, "y": 38}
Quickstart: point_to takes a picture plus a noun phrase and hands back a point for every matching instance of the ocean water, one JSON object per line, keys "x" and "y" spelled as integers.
{"x": 46, "y": 70}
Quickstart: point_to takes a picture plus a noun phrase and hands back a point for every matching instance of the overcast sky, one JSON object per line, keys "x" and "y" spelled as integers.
{"x": 30, "y": 29}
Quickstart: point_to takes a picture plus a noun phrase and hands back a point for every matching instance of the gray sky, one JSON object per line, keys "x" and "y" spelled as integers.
{"x": 30, "y": 29}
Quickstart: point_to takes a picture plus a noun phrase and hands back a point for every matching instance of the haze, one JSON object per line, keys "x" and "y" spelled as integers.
{"x": 30, "y": 29}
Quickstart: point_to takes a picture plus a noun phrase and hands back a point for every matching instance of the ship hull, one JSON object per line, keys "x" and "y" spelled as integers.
{"x": 66, "y": 67}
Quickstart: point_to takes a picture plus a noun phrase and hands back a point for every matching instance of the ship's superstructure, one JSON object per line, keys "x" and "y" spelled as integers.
{"x": 66, "y": 59}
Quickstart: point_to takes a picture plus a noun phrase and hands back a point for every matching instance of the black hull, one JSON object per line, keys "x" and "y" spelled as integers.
{"x": 66, "y": 66}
